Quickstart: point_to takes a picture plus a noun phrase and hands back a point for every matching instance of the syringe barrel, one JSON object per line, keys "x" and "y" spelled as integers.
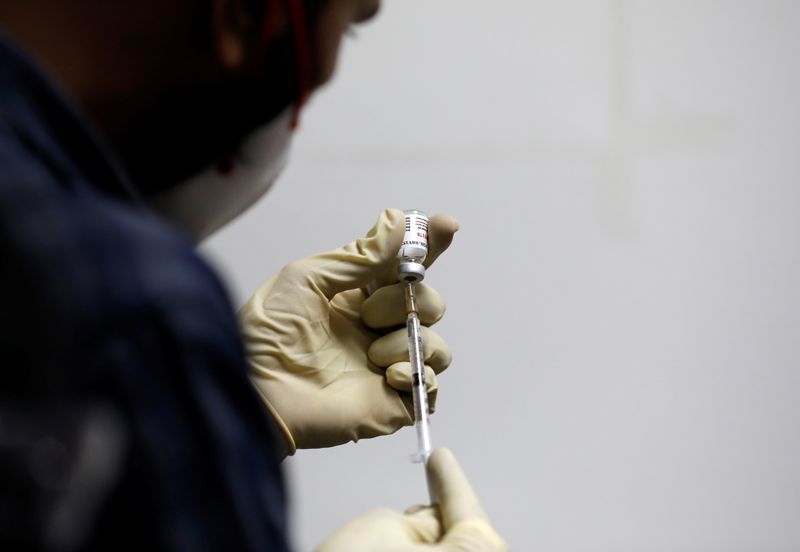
{"x": 419, "y": 389}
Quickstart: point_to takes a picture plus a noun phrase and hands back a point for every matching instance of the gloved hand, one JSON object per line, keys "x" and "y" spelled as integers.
{"x": 456, "y": 523}
{"x": 326, "y": 356}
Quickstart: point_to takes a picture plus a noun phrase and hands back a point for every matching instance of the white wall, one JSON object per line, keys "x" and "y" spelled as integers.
{"x": 624, "y": 296}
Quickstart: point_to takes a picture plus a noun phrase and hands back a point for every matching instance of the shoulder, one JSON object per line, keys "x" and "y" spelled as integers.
{"x": 90, "y": 261}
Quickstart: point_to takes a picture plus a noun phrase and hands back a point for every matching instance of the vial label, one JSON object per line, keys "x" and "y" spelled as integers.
{"x": 415, "y": 240}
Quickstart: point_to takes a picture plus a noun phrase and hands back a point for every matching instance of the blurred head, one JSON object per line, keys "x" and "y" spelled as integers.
{"x": 175, "y": 85}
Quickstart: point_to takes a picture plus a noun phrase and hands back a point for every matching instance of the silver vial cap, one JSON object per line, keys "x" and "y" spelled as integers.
{"x": 410, "y": 272}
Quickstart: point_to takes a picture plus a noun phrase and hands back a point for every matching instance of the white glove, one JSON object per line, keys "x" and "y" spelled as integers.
{"x": 456, "y": 523}
{"x": 327, "y": 358}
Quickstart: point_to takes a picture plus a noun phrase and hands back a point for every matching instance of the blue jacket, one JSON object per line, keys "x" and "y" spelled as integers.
{"x": 126, "y": 417}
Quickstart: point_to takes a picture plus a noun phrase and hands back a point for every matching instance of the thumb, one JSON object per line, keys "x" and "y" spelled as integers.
{"x": 465, "y": 525}
{"x": 356, "y": 264}
{"x": 451, "y": 490}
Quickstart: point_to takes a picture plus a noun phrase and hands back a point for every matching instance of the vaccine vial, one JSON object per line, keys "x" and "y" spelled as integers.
{"x": 414, "y": 248}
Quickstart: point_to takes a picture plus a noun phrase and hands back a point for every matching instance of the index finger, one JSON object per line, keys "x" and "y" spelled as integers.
{"x": 441, "y": 229}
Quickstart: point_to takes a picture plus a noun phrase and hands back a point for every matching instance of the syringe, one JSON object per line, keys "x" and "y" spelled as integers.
{"x": 411, "y": 271}
{"x": 419, "y": 388}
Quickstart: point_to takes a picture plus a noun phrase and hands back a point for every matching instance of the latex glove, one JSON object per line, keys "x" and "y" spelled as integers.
{"x": 457, "y": 522}
{"x": 319, "y": 348}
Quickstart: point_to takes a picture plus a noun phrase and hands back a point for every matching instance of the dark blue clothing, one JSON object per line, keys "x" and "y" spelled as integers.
{"x": 125, "y": 407}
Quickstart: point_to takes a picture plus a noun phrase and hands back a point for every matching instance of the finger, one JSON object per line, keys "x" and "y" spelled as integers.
{"x": 464, "y": 521}
{"x": 441, "y": 229}
{"x": 393, "y": 347}
{"x": 348, "y": 304}
{"x": 452, "y": 491}
{"x": 408, "y": 402}
{"x": 353, "y": 265}
{"x": 387, "y": 306}
{"x": 399, "y": 376}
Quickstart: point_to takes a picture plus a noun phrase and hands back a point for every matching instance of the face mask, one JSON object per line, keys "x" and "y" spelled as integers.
{"x": 206, "y": 202}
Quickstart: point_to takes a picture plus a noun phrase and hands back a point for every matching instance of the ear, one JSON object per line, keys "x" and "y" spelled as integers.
{"x": 232, "y": 26}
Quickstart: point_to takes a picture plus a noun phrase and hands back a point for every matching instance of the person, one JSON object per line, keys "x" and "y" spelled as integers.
{"x": 137, "y": 411}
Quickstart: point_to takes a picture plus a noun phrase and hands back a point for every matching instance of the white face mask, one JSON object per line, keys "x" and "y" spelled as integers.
{"x": 208, "y": 201}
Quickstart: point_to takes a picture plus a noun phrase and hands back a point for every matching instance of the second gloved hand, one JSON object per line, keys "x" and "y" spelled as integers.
{"x": 455, "y": 523}
{"x": 327, "y": 358}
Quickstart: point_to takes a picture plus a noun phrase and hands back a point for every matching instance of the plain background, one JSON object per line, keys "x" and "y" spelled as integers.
{"x": 624, "y": 295}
